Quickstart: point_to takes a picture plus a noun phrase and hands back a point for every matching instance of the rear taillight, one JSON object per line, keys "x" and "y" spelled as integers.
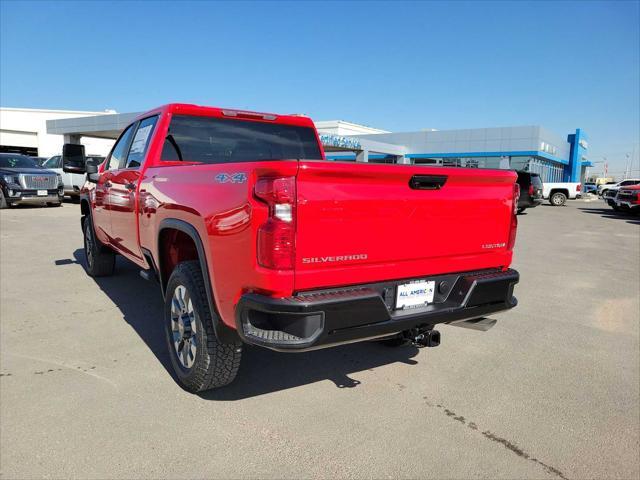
{"x": 531, "y": 190}
{"x": 513, "y": 228}
{"x": 276, "y": 237}
{"x": 578, "y": 187}
{"x": 516, "y": 197}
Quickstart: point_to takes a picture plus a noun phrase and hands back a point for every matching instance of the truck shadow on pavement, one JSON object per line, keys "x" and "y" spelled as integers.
{"x": 262, "y": 371}
{"x": 633, "y": 219}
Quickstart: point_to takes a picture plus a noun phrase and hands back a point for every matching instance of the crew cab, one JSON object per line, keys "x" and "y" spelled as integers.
{"x": 558, "y": 192}
{"x": 255, "y": 238}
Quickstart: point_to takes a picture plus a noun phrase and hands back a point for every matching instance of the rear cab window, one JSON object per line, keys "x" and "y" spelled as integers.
{"x": 536, "y": 180}
{"x": 216, "y": 140}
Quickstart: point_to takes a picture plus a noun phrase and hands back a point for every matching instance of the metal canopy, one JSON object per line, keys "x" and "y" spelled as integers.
{"x": 100, "y": 126}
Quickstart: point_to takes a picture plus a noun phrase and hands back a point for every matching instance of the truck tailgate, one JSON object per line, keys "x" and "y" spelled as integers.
{"x": 365, "y": 223}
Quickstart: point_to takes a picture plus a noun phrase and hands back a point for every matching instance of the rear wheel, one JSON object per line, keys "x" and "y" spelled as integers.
{"x": 200, "y": 361}
{"x": 54, "y": 204}
{"x": 100, "y": 261}
{"x": 558, "y": 199}
{"x": 521, "y": 209}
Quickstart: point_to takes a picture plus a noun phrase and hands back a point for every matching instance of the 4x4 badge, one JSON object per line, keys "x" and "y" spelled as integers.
{"x": 239, "y": 177}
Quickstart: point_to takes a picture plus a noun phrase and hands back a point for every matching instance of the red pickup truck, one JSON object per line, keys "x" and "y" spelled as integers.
{"x": 255, "y": 238}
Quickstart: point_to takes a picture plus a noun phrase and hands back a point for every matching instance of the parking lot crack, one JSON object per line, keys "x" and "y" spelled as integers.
{"x": 509, "y": 445}
{"x": 64, "y": 365}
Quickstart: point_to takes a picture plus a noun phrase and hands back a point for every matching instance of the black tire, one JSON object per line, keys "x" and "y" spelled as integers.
{"x": 558, "y": 199}
{"x": 53, "y": 204}
{"x": 75, "y": 199}
{"x": 3, "y": 201}
{"x": 616, "y": 208}
{"x": 521, "y": 209}
{"x": 100, "y": 261}
{"x": 214, "y": 363}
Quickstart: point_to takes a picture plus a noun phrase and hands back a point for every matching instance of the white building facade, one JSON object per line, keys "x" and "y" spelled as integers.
{"x": 24, "y": 130}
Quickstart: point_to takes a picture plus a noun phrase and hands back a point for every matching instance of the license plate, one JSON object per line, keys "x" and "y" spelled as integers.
{"x": 414, "y": 294}
{"x": 42, "y": 193}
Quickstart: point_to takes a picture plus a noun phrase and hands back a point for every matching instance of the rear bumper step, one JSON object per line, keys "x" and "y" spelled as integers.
{"x": 312, "y": 320}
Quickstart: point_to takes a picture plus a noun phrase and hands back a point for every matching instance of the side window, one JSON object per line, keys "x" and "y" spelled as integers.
{"x": 119, "y": 150}
{"x": 53, "y": 162}
{"x": 141, "y": 142}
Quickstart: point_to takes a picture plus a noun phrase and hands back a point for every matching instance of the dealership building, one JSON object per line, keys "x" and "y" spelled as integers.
{"x": 555, "y": 157}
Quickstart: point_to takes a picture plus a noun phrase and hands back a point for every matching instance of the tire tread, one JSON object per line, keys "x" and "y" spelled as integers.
{"x": 220, "y": 363}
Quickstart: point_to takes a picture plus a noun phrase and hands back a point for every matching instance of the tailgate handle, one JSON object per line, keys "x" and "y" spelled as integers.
{"x": 427, "y": 182}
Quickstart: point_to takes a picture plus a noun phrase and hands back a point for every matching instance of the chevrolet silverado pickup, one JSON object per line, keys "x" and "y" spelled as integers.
{"x": 254, "y": 238}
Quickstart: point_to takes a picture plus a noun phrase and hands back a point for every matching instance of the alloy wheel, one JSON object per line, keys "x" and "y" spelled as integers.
{"x": 183, "y": 327}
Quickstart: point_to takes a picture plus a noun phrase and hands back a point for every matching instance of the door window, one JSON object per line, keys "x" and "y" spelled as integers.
{"x": 141, "y": 142}
{"x": 120, "y": 150}
{"x": 53, "y": 162}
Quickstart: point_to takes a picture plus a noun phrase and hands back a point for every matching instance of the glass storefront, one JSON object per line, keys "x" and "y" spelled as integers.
{"x": 549, "y": 171}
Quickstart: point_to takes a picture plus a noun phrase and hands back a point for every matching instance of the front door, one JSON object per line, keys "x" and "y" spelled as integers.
{"x": 123, "y": 193}
{"x": 102, "y": 200}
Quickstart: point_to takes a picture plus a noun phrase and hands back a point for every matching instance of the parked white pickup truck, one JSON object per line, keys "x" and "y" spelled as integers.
{"x": 558, "y": 192}
{"x": 73, "y": 182}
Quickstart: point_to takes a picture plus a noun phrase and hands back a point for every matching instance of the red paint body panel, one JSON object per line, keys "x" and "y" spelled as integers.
{"x": 347, "y": 209}
{"x": 365, "y": 211}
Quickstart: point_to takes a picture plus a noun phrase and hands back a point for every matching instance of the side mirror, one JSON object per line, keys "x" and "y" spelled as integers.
{"x": 73, "y": 158}
{"x": 92, "y": 172}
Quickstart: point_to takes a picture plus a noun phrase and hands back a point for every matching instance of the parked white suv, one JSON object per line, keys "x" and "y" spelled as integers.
{"x": 73, "y": 182}
{"x": 558, "y": 192}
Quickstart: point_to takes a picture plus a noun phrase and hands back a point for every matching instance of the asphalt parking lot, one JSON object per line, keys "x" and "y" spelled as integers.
{"x": 551, "y": 392}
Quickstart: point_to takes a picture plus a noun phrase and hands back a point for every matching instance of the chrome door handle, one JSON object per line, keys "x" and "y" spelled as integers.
{"x": 130, "y": 186}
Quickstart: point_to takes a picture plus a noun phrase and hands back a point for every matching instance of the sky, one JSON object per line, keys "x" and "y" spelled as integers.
{"x": 392, "y": 65}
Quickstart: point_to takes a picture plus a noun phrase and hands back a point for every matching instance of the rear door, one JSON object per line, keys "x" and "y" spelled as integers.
{"x": 367, "y": 223}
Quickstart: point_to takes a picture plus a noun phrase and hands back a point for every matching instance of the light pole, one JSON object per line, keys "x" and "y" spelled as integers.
{"x": 627, "y": 168}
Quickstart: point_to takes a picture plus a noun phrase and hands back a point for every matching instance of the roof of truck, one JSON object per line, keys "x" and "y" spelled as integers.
{"x": 229, "y": 113}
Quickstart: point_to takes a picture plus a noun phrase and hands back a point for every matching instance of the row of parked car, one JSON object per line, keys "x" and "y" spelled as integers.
{"x": 36, "y": 180}
{"x": 26, "y": 180}
{"x": 603, "y": 188}
{"x": 624, "y": 198}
